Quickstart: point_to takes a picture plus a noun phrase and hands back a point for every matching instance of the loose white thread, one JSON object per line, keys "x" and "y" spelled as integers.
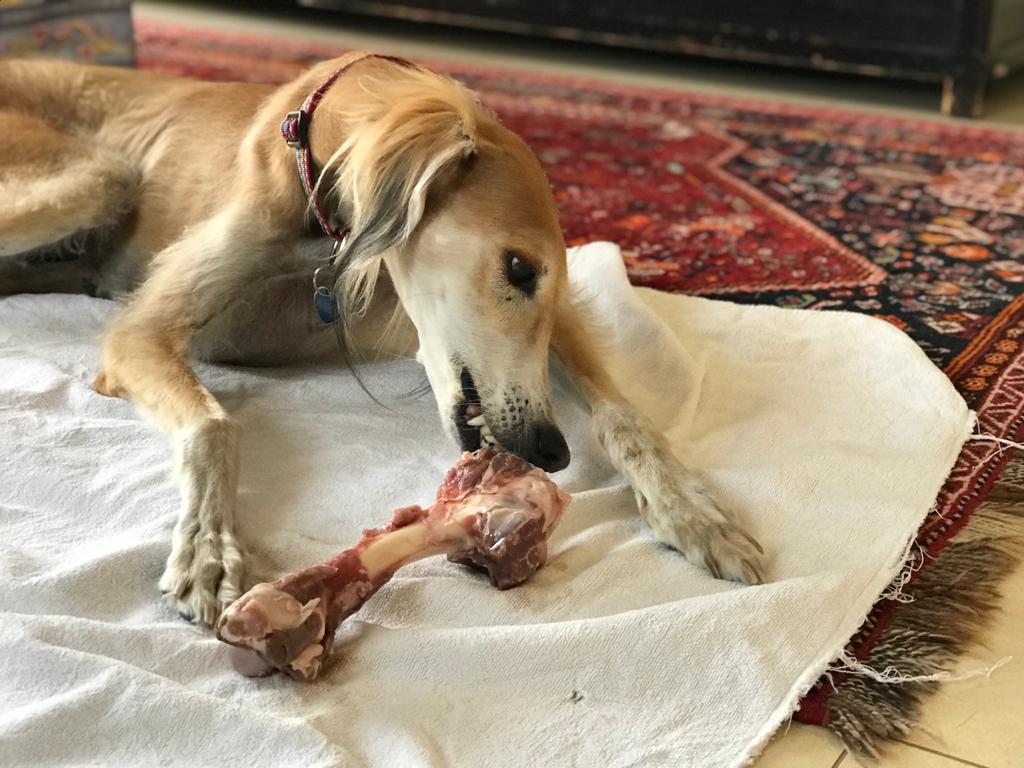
{"x": 912, "y": 561}
{"x": 851, "y": 665}
{"x": 1001, "y": 444}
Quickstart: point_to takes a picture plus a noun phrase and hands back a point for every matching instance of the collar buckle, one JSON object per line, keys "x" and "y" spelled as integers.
{"x": 295, "y": 129}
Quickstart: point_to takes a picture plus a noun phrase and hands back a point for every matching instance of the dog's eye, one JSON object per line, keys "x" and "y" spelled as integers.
{"x": 520, "y": 273}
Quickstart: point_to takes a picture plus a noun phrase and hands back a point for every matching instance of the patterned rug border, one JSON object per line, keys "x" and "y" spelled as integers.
{"x": 983, "y": 343}
{"x": 939, "y": 124}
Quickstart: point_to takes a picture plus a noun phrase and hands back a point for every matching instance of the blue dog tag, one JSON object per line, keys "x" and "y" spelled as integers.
{"x": 326, "y": 305}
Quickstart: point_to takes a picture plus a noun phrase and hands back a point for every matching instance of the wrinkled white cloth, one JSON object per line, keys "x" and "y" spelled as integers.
{"x": 829, "y": 434}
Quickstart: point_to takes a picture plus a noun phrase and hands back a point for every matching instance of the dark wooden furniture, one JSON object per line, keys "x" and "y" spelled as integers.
{"x": 958, "y": 43}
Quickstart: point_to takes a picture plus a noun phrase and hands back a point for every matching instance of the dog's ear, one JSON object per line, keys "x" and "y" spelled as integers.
{"x": 413, "y": 135}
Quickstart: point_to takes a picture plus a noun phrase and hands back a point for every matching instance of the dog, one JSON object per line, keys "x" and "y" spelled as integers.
{"x": 396, "y": 215}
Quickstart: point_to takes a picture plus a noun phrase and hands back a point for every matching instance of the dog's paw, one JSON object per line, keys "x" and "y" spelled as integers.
{"x": 687, "y": 518}
{"x": 203, "y": 575}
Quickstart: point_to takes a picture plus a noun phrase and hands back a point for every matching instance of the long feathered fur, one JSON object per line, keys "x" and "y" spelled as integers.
{"x": 406, "y": 137}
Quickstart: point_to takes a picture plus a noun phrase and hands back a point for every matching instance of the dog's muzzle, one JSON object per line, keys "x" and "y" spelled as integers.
{"x": 541, "y": 443}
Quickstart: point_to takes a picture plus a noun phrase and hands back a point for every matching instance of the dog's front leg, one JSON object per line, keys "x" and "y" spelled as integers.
{"x": 145, "y": 359}
{"x": 204, "y": 571}
{"x": 679, "y": 509}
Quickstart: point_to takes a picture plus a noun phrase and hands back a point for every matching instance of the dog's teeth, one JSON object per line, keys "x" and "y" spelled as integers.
{"x": 477, "y": 421}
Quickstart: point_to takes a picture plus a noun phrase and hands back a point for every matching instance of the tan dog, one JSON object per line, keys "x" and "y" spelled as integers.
{"x": 184, "y": 197}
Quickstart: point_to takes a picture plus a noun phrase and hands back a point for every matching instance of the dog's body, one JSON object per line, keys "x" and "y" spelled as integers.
{"x": 183, "y": 196}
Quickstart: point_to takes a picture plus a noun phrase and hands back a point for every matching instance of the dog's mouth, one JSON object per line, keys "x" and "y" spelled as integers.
{"x": 469, "y": 416}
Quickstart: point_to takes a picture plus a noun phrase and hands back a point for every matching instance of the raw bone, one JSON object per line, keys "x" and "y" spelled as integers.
{"x": 493, "y": 511}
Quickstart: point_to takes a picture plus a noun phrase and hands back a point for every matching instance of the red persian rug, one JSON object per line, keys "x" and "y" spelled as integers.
{"x": 918, "y": 223}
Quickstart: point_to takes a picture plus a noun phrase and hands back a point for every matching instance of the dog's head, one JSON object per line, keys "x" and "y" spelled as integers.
{"x": 461, "y": 214}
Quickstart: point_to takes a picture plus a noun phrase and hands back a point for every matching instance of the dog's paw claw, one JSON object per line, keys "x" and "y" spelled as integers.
{"x": 728, "y": 553}
{"x": 752, "y": 541}
{"x": 751, "y": 573}
{"x": 200, "y": 589}
{"x": 712, "y": 566}
{"x": 695, "y": 525}
{"x": 194, "y": 602}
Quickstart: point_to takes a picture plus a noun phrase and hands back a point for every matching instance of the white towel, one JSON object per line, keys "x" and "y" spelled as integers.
{"x": 828, "y": 433}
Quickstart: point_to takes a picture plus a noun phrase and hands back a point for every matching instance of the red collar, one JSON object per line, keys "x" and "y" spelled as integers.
{"x": 295, "y": 130}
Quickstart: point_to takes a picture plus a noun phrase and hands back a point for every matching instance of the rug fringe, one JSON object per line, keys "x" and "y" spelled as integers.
{"x": 953, "y": 601}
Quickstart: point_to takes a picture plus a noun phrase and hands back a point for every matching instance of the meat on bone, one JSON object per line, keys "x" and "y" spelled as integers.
{"x": 493, "y": 511}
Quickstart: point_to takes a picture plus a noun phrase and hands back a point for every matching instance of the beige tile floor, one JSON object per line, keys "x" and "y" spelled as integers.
{"x": 977, "y": 722}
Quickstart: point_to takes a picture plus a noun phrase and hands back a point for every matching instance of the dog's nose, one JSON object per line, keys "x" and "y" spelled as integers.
{"x": 546, "y": 448}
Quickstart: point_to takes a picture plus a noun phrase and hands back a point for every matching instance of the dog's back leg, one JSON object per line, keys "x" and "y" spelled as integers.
{"x": 58, "y": 195}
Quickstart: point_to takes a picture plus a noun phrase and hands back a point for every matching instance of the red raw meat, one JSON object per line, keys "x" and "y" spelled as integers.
{"x": 493, "y": 511}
